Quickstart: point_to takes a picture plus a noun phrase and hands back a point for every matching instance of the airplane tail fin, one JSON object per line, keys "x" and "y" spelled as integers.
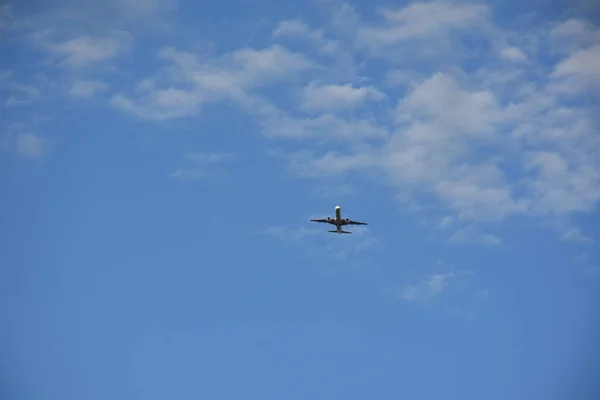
{"x": 340, "y": 232}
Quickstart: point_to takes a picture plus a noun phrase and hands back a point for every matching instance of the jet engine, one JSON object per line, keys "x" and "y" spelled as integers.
{"x": 328, "y": 218}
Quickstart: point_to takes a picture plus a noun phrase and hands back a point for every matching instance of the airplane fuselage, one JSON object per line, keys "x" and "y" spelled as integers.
{"x": 339, "y": 222}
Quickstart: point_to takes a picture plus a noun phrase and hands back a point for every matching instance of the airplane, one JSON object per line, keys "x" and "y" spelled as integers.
{"x": 338, "y": 221}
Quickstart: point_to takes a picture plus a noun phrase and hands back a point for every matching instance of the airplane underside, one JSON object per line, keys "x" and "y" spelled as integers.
{"x": 339, "y": 222}
{"x": 340, "y": 231}
{"x": 339, "y": 227}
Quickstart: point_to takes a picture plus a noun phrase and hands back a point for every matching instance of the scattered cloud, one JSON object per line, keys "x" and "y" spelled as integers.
{"x": 87, "y": 88}
{"x": 573, "y": 34}
{"x": 454, "y": 290}
{"x": 289, "y": 234}
{"x": 504, "y": 127}
{"x": 585, "y": 263}
{"x": 581, "y": 65}
{"x": 432, "y": 24}
{"x": 29, "y": 145}
{"x": 82, "y": 51}
{"x": 140, "y": 8}
{"x": 334, "y": 190}
{"x": 6, "y": 17}
{"x": 427, "y": 290}
{"x": 188, "y": 82}
{"x": 325, "y": 127}
{"x": 576, "y": 235}
{"x": 512, "y": 53}
{"x": 319, "y": 243}
{"x": 298, "y": 29}
{"x": 332, "y": 97}
{"x": 453, "y": 134}
{"x": 471, "y": 235}
{"x": 201, "y": 165}
{"x": 17, "y": 93}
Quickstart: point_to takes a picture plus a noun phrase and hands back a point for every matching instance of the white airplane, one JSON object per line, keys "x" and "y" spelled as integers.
{"x": 338, "y": 221}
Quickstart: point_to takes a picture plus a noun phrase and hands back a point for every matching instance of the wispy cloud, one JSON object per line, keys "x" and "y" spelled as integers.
{"x": 513, "y": 53}
{"x": 87, "y": 88}
{"x": 576, "y": 235}
{"x": 428, "y": 289}
{"x": 454, "y": 290}
{"x": 28, "y": 145}
{"x": 316, "y": 242}
{"x": 332, "y": 97}
{"x": 585, "y": 262}
{"x": 452, "y": 134}
{"x": 502, "y": 129}
{"x": 231, "y": 77}
{"x": 82, "y": 51}
{"x": 289, "y": 234}
{"x": 6, "y": 17}
{"x": 201, "y": 165}
{"x": 473, "y": 235}
{"x": 298, "y": 28}
{"x": 431, "y": 23}
{"x": 17, "y": 93}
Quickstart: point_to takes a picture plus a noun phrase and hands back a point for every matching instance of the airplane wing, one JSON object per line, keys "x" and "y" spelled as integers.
{"x": 320, "y": 220}
{"x": 357, "y": 223}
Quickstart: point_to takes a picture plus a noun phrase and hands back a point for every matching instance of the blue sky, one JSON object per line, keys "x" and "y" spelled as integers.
{"x": 160, "y": 160}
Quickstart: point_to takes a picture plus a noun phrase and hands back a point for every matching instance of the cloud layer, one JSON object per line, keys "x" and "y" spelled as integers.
{"x": 451, "y": 110}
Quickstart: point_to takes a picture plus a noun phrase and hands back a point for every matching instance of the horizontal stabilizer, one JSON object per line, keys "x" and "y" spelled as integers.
{"x": 339, "y": 232}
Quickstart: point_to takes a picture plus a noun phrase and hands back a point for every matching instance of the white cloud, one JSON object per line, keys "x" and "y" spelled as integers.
{"x": 82, "y": 51}
{"x": 460, "y": 111}
{"x": 431, "y": 20}
{"x": 446, "y": 222}
{"x": 513, "y": 53}
{"x": 6, "y": 16}
{"x": 561, "y": 186}
{"x": 575, "y": 235}
{"x": 330, "y": 164}
{"x": 290, "y": 234}
{"x": 297, "y": 28}
{"x": 29, "y": 145}
{"x": 471, "y": 235}
{"x": 209, "y": 158}
{"x": 334, "y": 190}
{"x": 583, "y": 63}
{"x": 323, "y": 128}
{"x": 145, "y": 7}
{"x": 454, "y": 290}
{"x": 403, "y": 77}
{"x": 291, "y": 27}
{"x": 332, "y": 97}
{"x": 18, "y": 93}
{"x": 191, "y": 83}
{"x": 189, "y": 174}
{"x": 427, "y": 290}
{"x": 201, "y": 165}
{"x": 478, "y": 138}
{"x": 86, "y": 88}
{"x": 585, "y": 263}
{"x": 454, "y": 134}
{"x": 575, "y": 32}
{"x": 160, "y": 104}
{"x": 316, "y": 242}
{"x": 272, "y": 63}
